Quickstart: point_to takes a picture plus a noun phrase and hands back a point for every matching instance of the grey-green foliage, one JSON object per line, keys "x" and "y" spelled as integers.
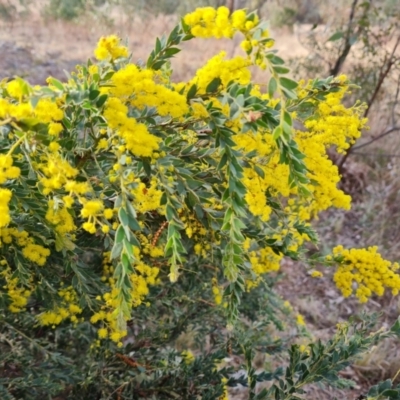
{"x": 288, "y": 12}
{"x": 73, "y": 9}
{"x": 40, "y": 362}
{"x": 65, "y": 9}
{"x": 322, "y": 362}
{"x": 9, "y": 11}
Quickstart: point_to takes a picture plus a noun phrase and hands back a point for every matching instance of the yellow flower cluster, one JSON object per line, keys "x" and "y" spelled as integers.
{"x": 264, "y": 261}
{"x": 68, "y": 308}
{"x": 334, "y": 124}
{"x": 324, "y": 174}
{"x": 146, "y": 198}
{"x": 140, "y": 281}
{"x": 109, "y": 48}
{"x": 217, "y": 291}
{"x": 188, "y": 356}
{"x": 48, "y": 112}
{"x": 8, "y": 234}
{"x": 15, "y": 89}
{"x": 209, "y": 22}
{"x": 198, "y": 111}
{"x": 60, "y": 217}
{"x": 5, "y": 197}
{"x": 235, "y": 69}
{"x": 300, "y": 320}
{"x": 18, "y": 295}
{"x": 225, "y": 394}
{"x": 34, "y": 252}
{"x": 57, "y": 173}
{"x": 93, "y": 210}
{"x": 137, "y": 139}
{"x": 154, "y": 250}
{"x": 109, "y": 327}
{"x": 366, "y": 270}
{"x": 196, "y": 231}
{"x": 255, "y": 196}
{"x": 138, "y": 86}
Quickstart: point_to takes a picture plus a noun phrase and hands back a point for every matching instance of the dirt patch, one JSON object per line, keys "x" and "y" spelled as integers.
{"x": 21, "y": 61}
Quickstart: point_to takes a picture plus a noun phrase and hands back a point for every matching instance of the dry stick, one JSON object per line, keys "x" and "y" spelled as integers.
{"x": 129, "y": 361}
{"x": 383, "y": 75}
{"x": 347, "y": 43}
{"x": 390, "y": 130}
{"x": 361, "y": 153}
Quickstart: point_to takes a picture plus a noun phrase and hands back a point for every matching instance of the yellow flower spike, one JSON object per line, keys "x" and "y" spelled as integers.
{"x": 188, "y": 356}
{"x": 109, "y": 47}
{"x": 368, "y": 269}
{"x": 300, "y": 320}
{"x": 102, "y": 333}
{"x": 316, "y": 274}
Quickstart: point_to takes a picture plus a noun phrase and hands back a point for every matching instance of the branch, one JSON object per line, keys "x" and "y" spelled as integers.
{"x": 382, "y": 76}
{"x": 347, "y": 45}
{"x": 387, "y": 132}
{"x": 375, "y": 154}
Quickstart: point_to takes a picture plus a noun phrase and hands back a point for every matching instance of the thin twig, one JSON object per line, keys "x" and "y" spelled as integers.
{"x": 347, "y": 43}
{"x": 387, "y": 132}
{"x": 382, "y": 77}
{"x": 357, "y": 153}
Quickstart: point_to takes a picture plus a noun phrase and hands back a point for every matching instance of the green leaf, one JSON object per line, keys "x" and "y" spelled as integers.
{"x": 120, "y": 234}
{"x": 391, "y": 394}
{"x": 133, "y": 224}
{"x": 131, "y": 211}
{"x": 55, "y": 82}
{"x": 192, "y": 92}
{"x": 281, "y": 70}
{"x": 102, "y": 99}
{"x": 259, "y": 171}
{"x": 117, "y": 249}
{"x": 158, "y": 45}
{"x": 94, "y": 94}
{"x": 275, "y": 60}
{"x": 171, "y": 51}
{"x": 287, "y": 118}
{"x": 277, "y": 132}
{"x": 234, "y": 111}
{"x": 288, "y": 83}
{"x": 272, "y": 86}
{"x": 387, "y": 384}
{"x": 213, "y": 86}
{"x": 123, "y": 217}
{"x": 395, "y": 328}
{"x": 336, "y": 36}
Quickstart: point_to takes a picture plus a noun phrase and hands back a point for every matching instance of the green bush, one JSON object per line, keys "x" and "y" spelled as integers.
{"x": 142, "y": 223}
